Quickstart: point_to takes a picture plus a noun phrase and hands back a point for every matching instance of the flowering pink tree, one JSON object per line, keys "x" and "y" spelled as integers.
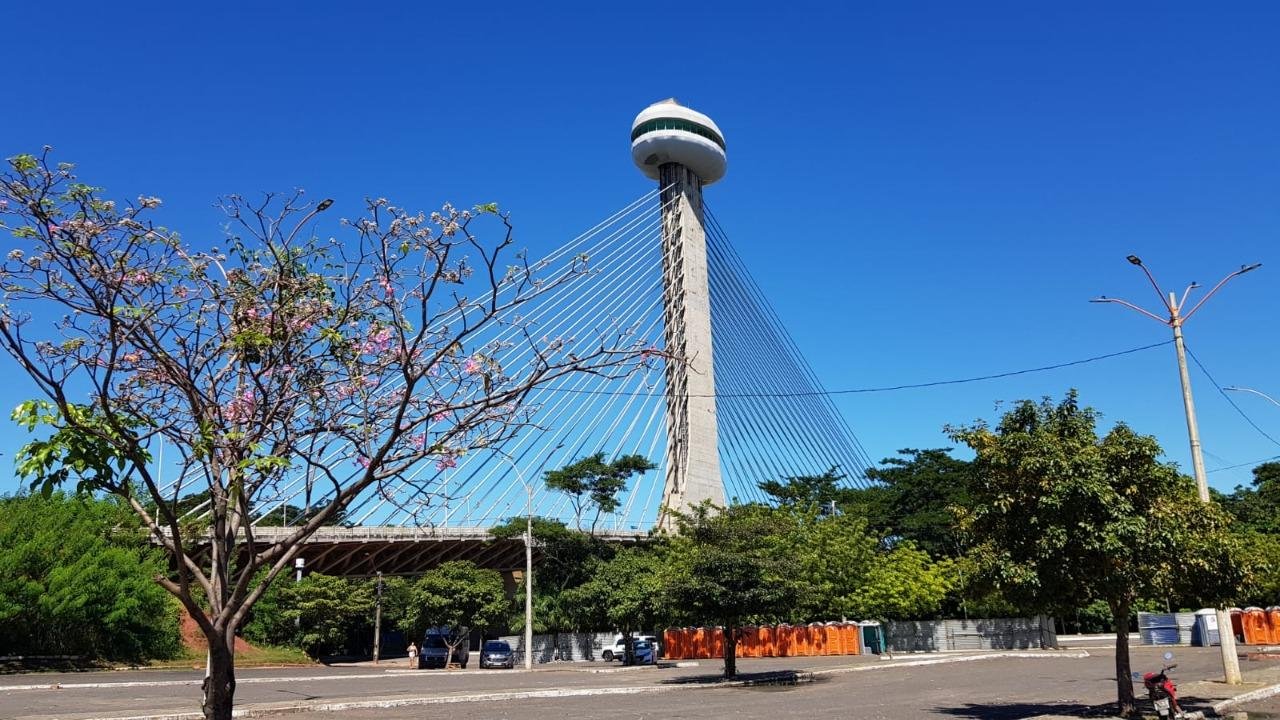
{"x": 258, "y": 359}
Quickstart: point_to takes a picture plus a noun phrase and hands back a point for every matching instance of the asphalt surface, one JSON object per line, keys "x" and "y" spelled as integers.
{"x": 866, "y": 687}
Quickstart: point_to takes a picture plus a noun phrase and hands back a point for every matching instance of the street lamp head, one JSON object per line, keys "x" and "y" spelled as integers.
{"x": 1134, "y": 260}
{"x": 1246, "y": 268}
{"x": 1100, "y": 298}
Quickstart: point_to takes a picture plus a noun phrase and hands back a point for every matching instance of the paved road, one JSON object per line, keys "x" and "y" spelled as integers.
{"x": 1003, "y": 689}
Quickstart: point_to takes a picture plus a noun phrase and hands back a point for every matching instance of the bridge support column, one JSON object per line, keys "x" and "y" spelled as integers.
{"x": 693, "y": 457}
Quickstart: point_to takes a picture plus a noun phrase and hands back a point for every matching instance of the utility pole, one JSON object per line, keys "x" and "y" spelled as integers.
{"x": 377, "y": 622}
{"x": 1173, "y": 305}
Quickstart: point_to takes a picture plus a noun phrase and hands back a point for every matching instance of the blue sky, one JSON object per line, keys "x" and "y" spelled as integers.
{"x": 924, "y": 190}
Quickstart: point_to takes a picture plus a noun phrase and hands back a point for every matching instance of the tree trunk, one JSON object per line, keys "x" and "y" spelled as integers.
{"x": 1124, "y": 683}
{"x": 220, "y": 684}
{"x": 730, "y": 652}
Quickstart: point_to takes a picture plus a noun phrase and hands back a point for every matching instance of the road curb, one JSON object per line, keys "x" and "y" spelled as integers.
{"x": 1262, "y": 693}
{"x": 1052, "y": 655}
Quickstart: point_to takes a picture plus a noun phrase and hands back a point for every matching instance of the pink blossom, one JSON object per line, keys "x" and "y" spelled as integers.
{"x": 440, "y": 416}
{"x": 446, "y": 462}
{"x": 362, "y": 461}
{"x": 240, "y": 408}
{"x": 131, "y": 357}
{"x": 419, "y": 441}
{"x": 472, "y": 366}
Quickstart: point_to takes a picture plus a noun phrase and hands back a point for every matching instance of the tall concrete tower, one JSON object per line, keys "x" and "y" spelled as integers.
{"x": 684, "y": 150}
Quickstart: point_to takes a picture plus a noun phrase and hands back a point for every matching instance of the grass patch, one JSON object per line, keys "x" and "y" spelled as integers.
{"x": 251, "y": 657}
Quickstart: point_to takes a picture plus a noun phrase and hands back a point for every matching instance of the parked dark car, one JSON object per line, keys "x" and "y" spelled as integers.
{"x": 435, "y": 652}
{"x": 497, "y": 654}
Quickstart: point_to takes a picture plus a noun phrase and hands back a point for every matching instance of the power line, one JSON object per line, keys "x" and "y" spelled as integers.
{"x": 1224, "y": 394}
{"x": 909, "y": 386}
{"x": 1246, "y": 464}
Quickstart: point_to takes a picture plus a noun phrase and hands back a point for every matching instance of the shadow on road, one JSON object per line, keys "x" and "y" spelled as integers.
{"x": 1021, "y": 711}
{"x": 772, "y": 678}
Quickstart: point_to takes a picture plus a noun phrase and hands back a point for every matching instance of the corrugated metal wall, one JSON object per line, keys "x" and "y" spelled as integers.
{"x": 562, "y": 646}
{"x": 986, "y": 634}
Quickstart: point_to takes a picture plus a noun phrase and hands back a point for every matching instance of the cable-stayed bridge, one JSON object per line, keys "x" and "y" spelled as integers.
{"x": 738, "y": 405}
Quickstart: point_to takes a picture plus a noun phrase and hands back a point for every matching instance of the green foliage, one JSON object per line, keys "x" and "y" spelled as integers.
{"x": 567, "y": 558}
{"x": 624, "y": 592}
{"x": 844, "y": 569}
{"x": 808, "y": 490}
{"x": 1064, "y": 518}
{"x": 918, "y": 496}
{"x": 721, "y": 570}
{"x": 457, "y": 595}
{"x": 592, "y": 481}
{"x": 320, "y": 615}
{"x": 84, "y": 446}
{"x": 76, "y": 578}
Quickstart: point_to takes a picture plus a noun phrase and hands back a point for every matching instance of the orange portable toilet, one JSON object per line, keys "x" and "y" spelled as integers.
{"x": 698, "y": 643}
{"x": 800, "y": 640}
{"x": 673, "y": 645}
{"x": 716, "y": 638}
{"x": 834, "y": 644}
{"x": 766, "y": 641}
{"x": 852, "y": 638}
{"x": 1237, "y": 623}
{"x": 817, "y": 639}
{"x": 1255, "y": 626}
{"x": 1273, "y": 624}
{"x": 782, "y": 639}
{"x": 748, "y": 642}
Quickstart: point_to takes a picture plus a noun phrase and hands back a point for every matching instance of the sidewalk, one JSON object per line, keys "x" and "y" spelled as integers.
{"x": 1213, "y": 698}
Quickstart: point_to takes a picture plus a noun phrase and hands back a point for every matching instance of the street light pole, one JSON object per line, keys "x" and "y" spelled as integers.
{"x": 1173, "y": 305}
{"x": 528, "y": 561}
{"x": 1272, "y": 400}
{"x": 377, "y": 623}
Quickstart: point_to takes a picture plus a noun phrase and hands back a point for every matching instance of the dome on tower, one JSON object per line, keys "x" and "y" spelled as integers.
{"x": 668, "y": 132}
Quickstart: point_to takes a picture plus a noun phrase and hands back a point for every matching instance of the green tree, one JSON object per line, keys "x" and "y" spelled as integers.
{"x": 458, "y": 596}
{"x": 320, "y": 614}
{"x": 805, "y": 490}
{"x": 260, "y": 359}
{"x": 1063, "y": 518}
{"x": 77, "y": 578}
{"x": 919, "y": 493}
{"x": 721, "y": 571}
{"x": 625, "y": 592}
{"x": 847, "y": 570}
{"x": 590, "y": 481}
{"x": 1257, "y": 508}
{"x": 566, "y": 559}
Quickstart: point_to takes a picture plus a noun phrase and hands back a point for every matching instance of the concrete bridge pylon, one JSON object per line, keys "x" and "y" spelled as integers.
{"x": 684, "y": 151}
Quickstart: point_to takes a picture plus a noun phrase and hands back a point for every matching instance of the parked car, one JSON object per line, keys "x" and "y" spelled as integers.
{"x": 497, "y": 654}
{"x": 645, "y": 652}
{"x": 435, "y": 651}
{"x": 618, "y": 650}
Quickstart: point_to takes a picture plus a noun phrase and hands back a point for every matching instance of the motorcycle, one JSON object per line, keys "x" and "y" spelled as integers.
{"x": 1161, "y": 690}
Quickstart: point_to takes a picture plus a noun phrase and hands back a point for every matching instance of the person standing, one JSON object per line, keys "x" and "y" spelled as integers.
{"x": 413, "y": 655}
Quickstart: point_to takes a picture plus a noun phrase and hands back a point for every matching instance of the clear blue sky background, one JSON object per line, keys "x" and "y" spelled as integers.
{"x": 925, "y": 190}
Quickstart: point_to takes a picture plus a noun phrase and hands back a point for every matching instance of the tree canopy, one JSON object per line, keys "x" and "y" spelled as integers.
{"x": 592, "y": 482}
{"x": 1062, "y": 517}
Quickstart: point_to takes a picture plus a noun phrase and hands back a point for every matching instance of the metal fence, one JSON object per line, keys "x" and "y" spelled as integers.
{"x": 985, "y": 634}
